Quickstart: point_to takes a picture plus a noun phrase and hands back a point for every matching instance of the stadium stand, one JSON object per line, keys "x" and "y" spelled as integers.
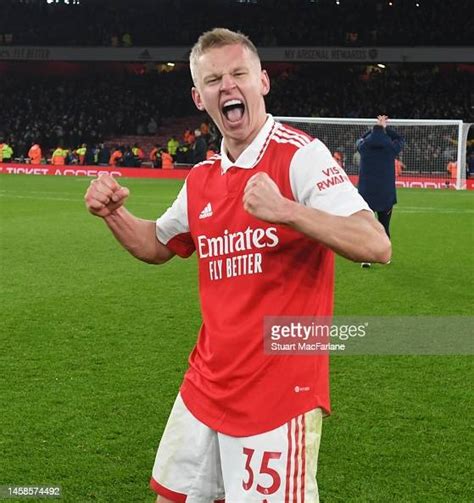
{"x": 293, "y": 22}
{"x": 91, "y": 109}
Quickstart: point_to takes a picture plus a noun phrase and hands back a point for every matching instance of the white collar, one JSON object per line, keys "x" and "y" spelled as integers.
{"x": 249, "y": 157}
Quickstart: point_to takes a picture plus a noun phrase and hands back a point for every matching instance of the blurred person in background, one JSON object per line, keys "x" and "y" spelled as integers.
{"x": 339, "y": 158}
{"x": 184, "y": 154}
{"x": 172, "y": 146}
{"x": 204, "y": 128}
{"x": 166, "y": 159}
{"x": 90, "y": 157}
{"x": 35, "y": 154}
{"x": 81, "y": 153}
{"x": 399, "y": 167}
{"x": 128, "y": 160}
{"x": 139, "y": 155}
{"x": 452, "y": 168}
{"x": 103, "y": 157}
{"x": 59, "y": 156}
{"x": 188, "y": 137}
{"x": 71, "y": 157}
{"x": 117, "y": 156}
{"x": 199, "y": 147}
{"x": 378, "y": 150}
{"x": 7, "y": 152}
{"x": 155, "y": 156}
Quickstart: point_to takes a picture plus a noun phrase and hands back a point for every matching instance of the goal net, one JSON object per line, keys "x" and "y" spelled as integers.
{"x": 434, "y": 154}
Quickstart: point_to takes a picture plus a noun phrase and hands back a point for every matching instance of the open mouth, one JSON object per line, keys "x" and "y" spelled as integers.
{"x": 233, "y": 110}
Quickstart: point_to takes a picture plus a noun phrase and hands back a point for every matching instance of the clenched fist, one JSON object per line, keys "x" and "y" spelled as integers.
{"x": 263, "y": 199}
{"x": 105, "y": 195}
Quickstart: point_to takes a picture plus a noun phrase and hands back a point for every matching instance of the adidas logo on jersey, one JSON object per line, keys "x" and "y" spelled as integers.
{"x": 206, "y": 212}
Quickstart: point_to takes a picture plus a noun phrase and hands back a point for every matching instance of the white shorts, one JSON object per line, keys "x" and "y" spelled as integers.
{"x": 195, "y": 464}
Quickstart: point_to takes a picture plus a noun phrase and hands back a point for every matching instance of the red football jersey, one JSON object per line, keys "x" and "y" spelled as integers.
{"x": 250, "y": 269}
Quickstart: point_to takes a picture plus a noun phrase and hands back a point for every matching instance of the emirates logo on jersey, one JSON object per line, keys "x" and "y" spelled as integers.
{"x": 233, "y": 244}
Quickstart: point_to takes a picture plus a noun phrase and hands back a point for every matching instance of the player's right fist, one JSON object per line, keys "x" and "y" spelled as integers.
{"x": 105, "y": 195}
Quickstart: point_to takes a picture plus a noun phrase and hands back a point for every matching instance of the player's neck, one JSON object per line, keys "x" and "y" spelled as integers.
{"x": 234, "y": 147}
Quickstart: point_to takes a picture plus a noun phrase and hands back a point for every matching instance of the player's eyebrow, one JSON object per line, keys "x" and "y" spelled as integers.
{"x": 211, "y": 76}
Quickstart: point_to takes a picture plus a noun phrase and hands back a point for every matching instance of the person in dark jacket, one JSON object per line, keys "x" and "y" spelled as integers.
{"x": 129, "y": 160}
{"x": 199, "y": 147}
{"x": 90, "y": 155}
{"x": 104, "y": 155}
{"x": 378, "y": 150}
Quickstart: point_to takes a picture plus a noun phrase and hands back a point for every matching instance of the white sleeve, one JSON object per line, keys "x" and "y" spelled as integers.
{"x": 317, "y": 181}
{"x": 174, "y": 220}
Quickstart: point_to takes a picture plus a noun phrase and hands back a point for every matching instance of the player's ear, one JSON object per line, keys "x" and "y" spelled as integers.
{"x": 265, "y": 80}
{"x": 197, "y": 99}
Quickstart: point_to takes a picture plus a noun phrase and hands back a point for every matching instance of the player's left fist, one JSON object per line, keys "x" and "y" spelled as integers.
{"x": 263, "y": 199}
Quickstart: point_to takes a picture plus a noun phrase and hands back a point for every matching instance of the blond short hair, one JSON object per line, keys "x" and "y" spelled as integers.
{"x": 218, "y": 37}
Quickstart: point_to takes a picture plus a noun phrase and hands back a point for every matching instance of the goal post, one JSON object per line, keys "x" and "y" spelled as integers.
{"x": 431, "y": 147}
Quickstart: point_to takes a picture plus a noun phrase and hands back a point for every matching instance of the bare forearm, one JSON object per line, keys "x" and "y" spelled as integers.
{"x": 137, "y": 236}
{"x": 358, "y": 237}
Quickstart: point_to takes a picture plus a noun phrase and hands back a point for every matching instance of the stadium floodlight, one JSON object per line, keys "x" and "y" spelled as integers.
{"x": 65, "y": 2}
{"x": 431, "y": 145}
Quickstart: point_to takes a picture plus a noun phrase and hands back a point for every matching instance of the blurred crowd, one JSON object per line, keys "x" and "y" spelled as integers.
{"x": 290, "y": 23}
{"x": 403, "y": 91}
{"x": 192, "y": 147}
{"x": 66, "y": 111}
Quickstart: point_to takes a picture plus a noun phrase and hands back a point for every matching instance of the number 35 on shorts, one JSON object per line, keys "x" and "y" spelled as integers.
{"x": 265, "y": 469}
{"x": 278, "y": 466}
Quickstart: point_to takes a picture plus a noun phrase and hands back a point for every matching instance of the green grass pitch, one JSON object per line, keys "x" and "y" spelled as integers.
{"x": 94, "y": 345}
